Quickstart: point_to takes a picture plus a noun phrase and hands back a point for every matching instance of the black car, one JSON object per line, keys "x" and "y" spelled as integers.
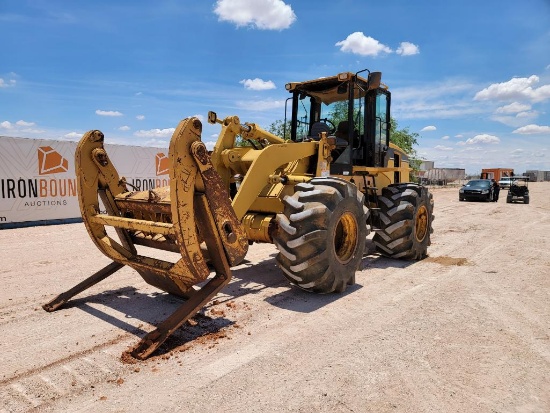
{"x": 477, "y": 189}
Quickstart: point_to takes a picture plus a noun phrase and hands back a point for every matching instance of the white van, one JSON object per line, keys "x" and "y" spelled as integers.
{"x": 505, "y": 182}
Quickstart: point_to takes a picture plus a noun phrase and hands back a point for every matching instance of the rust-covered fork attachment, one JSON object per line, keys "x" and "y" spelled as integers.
{"x": 195, "y": 208}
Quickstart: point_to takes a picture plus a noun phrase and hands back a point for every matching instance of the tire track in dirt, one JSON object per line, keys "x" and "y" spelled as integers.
{"x": 70, "y": 375}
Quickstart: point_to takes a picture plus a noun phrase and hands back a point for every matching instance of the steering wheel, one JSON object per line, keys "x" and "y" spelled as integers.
{"x": 332, "y": 127}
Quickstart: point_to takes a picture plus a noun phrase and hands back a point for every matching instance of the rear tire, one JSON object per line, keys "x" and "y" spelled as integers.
{"x": 406, "y": 215}
{"x": 321, "y": 235}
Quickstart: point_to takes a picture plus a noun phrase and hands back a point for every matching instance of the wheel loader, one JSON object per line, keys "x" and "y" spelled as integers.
{"x": 315, "y": 193}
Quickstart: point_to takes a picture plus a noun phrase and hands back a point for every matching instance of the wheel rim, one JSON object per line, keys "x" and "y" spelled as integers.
{"x": 345, "y": 238}
{"x": 421, "y": 225}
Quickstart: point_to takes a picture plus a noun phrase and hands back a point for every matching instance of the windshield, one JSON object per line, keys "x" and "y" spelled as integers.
{"x": 479, "y": 184}
{"x": 331, "y": 114}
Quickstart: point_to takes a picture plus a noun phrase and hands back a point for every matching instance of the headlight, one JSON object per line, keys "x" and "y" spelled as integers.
{"x": 461, "y": 191}
{"x": 485, "y": 191}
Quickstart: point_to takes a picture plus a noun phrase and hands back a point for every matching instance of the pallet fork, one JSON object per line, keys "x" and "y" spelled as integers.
{"x": 195, "y": 208}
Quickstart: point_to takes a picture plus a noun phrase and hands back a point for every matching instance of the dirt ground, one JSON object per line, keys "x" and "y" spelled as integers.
{"x": 465, "y": 330}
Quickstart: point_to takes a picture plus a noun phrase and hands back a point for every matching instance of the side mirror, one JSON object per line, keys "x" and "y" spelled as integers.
{"x": 375, "y": 79}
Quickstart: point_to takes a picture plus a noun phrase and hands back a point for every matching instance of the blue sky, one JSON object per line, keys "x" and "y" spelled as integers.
{"x": 472, "y": 78}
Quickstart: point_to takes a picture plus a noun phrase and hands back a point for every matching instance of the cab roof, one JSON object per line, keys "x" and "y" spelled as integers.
{"x": 333, "y": 89}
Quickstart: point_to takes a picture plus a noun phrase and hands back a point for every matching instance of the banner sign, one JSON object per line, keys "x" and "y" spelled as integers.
{"x": 38, "y": 181}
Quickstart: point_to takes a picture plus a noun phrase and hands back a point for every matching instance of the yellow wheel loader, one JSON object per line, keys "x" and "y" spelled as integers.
{"x": 315, "y": 192}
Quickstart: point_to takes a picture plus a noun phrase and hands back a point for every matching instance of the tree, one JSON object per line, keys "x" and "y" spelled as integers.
{"x": 406, "y": 140}
{"x": 403, "y": 138}
{"x": 280, "y": 129}
{"x": 239, "y": 141}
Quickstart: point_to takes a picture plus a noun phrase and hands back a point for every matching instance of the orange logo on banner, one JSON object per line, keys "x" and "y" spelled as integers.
{"x": 161, "y": 163}
{"x": 50, "y": 161}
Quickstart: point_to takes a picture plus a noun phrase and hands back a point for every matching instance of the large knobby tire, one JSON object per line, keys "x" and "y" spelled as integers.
{"x": 406, "y": 215}
{"x": 321, "y": 235}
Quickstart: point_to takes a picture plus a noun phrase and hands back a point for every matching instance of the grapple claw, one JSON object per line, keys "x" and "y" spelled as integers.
{"x": 168, "y": 220}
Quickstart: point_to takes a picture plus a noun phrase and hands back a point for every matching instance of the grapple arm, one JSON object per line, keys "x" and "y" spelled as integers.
{"x": 166, "y": 218}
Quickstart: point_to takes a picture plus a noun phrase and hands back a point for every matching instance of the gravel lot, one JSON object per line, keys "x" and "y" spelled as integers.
{"x": 465, "y": 330}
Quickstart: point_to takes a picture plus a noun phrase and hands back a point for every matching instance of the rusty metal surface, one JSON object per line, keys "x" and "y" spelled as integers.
{"x": 199, "y": 298}
{"x": 165, "y": 218}
{"x": 100, "y": 275}
{"x": 149, "y": 213}
{"x": 232, "y": 232}
{"x": 154, "y": 201}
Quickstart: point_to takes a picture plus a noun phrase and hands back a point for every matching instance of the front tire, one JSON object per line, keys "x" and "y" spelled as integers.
{"x": 406, "y": 215}
{"x": 321, "y": 235}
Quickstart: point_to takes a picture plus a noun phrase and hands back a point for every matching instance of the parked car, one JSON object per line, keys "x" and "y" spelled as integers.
{"x": 478, "y": 190}
{"x": 505, "y": 182}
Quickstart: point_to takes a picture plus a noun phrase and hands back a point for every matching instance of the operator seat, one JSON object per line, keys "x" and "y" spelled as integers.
{"x": 317, "y": 128}
{"x": 342, "y": 134}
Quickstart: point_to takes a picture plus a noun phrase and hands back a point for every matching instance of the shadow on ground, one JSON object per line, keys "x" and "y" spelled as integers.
{"x": 247, "y": 279}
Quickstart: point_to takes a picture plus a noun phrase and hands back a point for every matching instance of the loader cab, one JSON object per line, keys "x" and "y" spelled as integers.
{"x": 352, "y": 108}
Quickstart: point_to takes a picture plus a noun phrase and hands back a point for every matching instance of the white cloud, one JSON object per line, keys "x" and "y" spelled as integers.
{"x": 261, "y": 14}
{"x": 515, "y": 121}
{"x": 532, "y": 114}
{"x": 210, "y": 145}
{"x": 483, "y": 138}
{"x": 459, "y": 136}
{"x": 23, "y": 123}
{"x": 261, "y": 105}
{"x": 443, "y": 148}
{"x": 428, "y": 128}
{"x": 520, "y": 88}
{"x": 21, "y": 126}
{"x": 157, "y": 143}
{"x": 210, "y": 141}
{"x": 532, "y": 129}
{"x": 514, "y": 107}
{"x": 9, "y": 83}
{"x": 73, "y": 135}
{"x": 435, "y": 100}
{"x": 257, "y": 84}
{"x": 108, "y": 113}
{"x": 358, "y": 43}
{"x": 407, "y": 49}
{"x": 33, "y": 131}
{"x": 124, "y": 128}
{"x": 140, "y": 117}
{"x": 155, "y": 133}
{"x": 446, "y": 137}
